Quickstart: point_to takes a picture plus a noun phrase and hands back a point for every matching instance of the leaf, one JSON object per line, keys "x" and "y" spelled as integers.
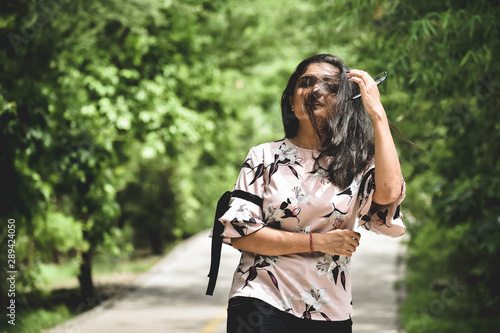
{"x": 272, "y": 170}
{"x": 382, "y": 215}
{"x": 252, "y": 274}
{"x": 262, "y": 264}
{"x": 469, "y": 53}
{"x": 240, "y": 229}
{"x": 347, "y": 191}
{"x": 325, "y": 316}
{"x": 366, "y": 218}
{"x": 246, "y": 164}
{"x": 445, "y": 18}
{"x": 306, "y": 315}
{"x": 472, "y": 22}
{"x": 259, "y": 173}
{"x": 293, "y": 171}
{"x": 335, "y": 274}
{"x": 288, "y": 213}
{"x": 273, "y": 278}
{"x": 424, "y": 26}
{"x": 342, "y": 279}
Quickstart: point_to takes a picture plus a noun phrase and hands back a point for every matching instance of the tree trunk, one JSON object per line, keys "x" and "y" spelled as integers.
{"x": 56, "y": 258}
{"x": 156, "y": 241}
{"x": 85, "y": 276}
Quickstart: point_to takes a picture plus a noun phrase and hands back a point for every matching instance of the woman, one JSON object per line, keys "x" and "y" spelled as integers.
{"x": 294, "y": 225}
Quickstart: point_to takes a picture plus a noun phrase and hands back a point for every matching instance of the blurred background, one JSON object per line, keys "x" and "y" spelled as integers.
{"x": 122, "y": 122}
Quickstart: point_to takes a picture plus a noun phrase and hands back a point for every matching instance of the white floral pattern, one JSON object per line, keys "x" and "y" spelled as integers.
{"x": 272, "y": 215}
{"x": 242, "y": 213}
{"x": 286, "y": 303}
{"x": 305, "y": 230}
{"x": 320, "y": 174}
{"x": 325, "y": 265}
{"x": 314, "y": 297}
{"x": 300, "y": 196}
{"x": 286, "y": 153}
{"x": 336, "y": 217}
{"x": 271, "y": 260}
{"x": 334, "y": 267}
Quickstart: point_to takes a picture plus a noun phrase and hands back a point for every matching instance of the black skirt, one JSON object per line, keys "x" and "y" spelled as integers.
{"x": 251, "y": 315}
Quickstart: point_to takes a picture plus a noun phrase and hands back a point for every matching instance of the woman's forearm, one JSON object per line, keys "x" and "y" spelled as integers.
{"x": 273, "y": 242}
{"x": 388, "y": 180}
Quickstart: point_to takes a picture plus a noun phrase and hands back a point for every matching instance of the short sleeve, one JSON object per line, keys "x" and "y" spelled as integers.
{"x": 381, "y": 219}
{"x": 245, "y": 216}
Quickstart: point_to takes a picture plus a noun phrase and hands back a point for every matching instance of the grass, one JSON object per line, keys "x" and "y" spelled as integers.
{"x": 52, "y": 274}
{"x": 104, "y": 267}
{"x": 32, "y": 321}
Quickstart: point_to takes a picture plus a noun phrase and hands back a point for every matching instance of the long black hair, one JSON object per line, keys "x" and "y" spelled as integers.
{"x": 346, "y": 135}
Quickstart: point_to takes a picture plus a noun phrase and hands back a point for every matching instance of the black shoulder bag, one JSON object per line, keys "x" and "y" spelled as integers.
{"x": 218, "y": 229}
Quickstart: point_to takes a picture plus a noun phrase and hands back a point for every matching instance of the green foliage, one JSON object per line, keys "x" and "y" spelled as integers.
{"x": 41, "y": 319}
{"x": 125, "y": 121}
{"x": 130, "y": 114}
{"x": 54, "y": 273}
{"x": 59, "y": 232}
{"x": 442, "y": 55}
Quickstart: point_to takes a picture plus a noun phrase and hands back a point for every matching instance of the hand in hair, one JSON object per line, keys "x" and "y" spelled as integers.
{"x": 388, "y": 180}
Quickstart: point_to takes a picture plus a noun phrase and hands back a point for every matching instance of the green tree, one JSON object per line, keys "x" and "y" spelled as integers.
{"x": 96, "y": 94}
{"x": 441, "y": 91}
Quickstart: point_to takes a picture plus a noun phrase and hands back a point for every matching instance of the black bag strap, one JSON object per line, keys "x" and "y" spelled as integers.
{"x": 222, "y": 206}
{"x": 218, "y": 229}
{"x": 248, "y": 197}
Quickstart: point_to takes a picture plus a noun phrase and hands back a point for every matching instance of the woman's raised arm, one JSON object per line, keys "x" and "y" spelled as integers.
{"x": 388, "y": 180}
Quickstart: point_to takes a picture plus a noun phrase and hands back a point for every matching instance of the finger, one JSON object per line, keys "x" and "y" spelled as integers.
{"x": 356, "y": 79}
{"x": 356, "y": 72}
{"x": 354, "y": 234}
{"x": 359, "y": 80}
{"x": 355, "y": 242}
{"x": 364, "y": 76}
{"x": 349, "y": 240}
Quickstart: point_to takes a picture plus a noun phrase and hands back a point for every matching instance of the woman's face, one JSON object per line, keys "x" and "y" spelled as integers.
{"x": 315, "y": 89}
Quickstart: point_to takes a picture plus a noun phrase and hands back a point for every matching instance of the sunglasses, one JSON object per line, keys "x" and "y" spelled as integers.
{"x": 379, "y": 78}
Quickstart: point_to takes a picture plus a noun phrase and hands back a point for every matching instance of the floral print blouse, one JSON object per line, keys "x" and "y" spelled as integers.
{"x": 297, "y": 196}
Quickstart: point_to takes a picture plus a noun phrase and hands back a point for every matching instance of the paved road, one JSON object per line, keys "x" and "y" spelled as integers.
{"x": 171, "y": 296}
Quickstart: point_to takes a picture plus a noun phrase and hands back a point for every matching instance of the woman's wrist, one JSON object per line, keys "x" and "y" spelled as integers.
{"x": 317, "y": 239}
{"x": 378, "y": 115}
{"x": 311, "y": 243}
{"x": 274, "y": 242}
